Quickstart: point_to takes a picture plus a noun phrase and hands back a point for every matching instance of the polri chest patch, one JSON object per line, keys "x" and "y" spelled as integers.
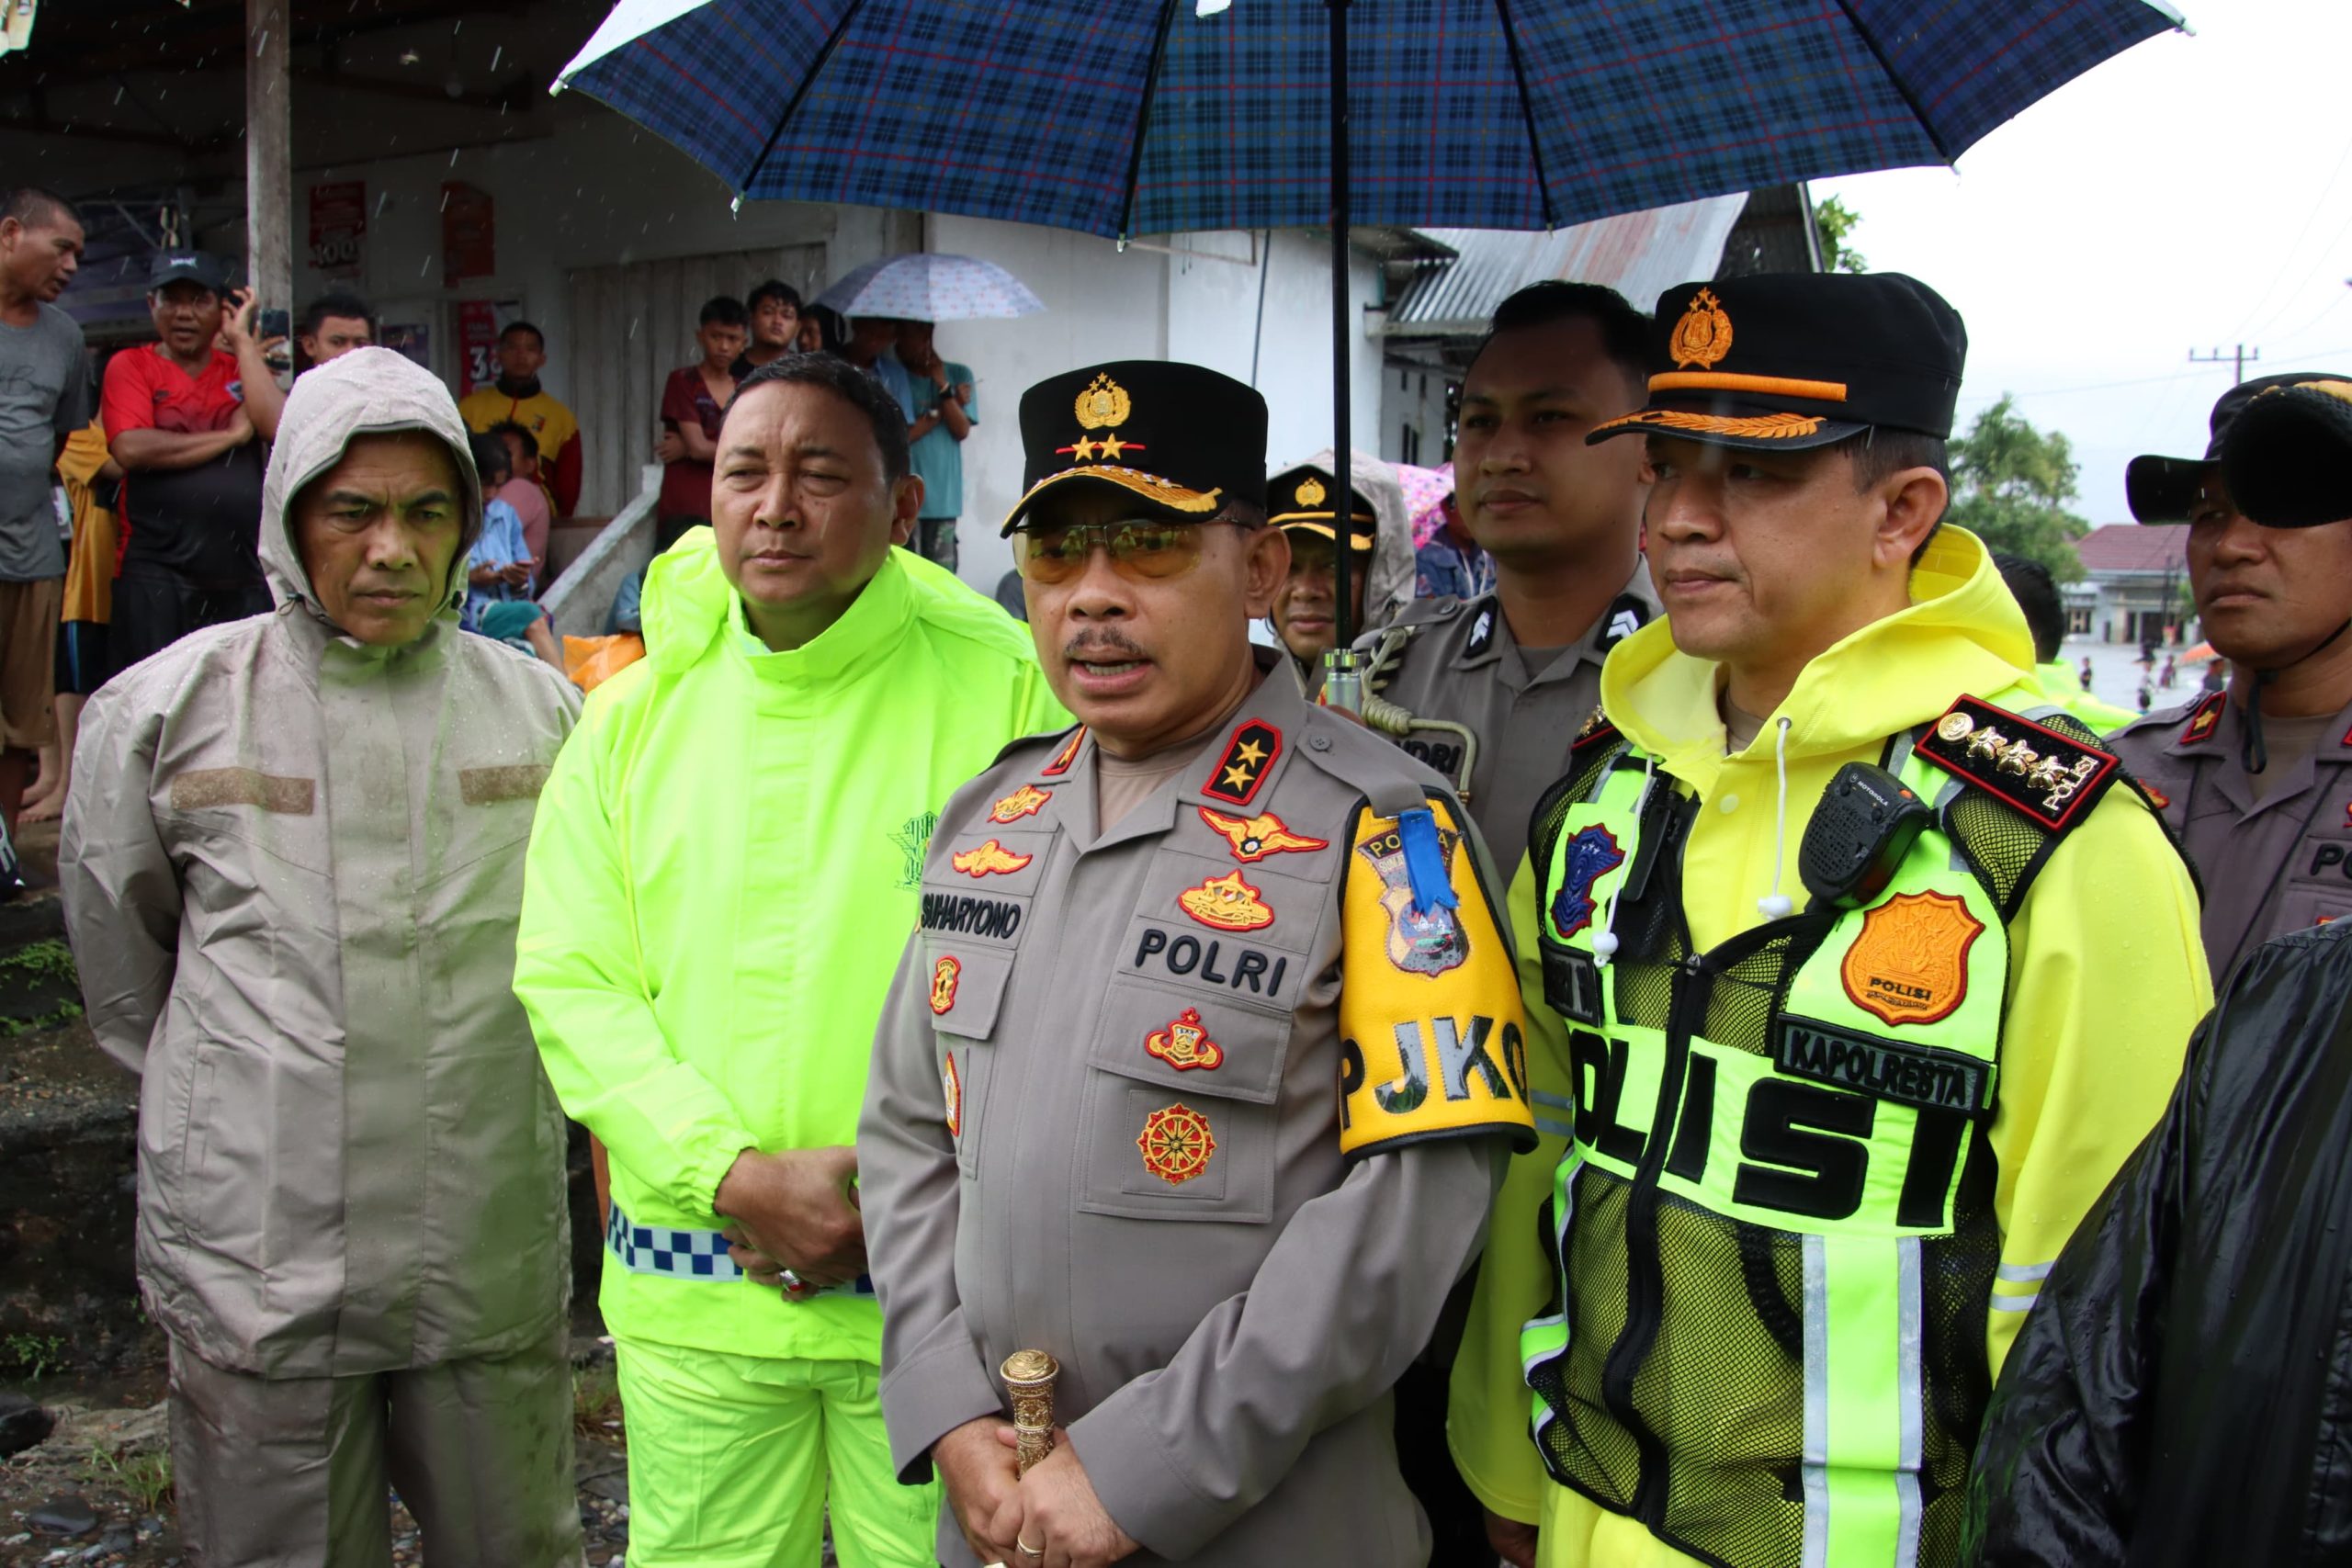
{"x": 1226, "y": 904}
{"x": 946, "y": 976}
{"x": 1255, "y": 838}
{"x": 1176, "y": 1143}
{"x": 1184, "y": 1043}
{"x": 1026, "y": 801}
{"x": 952, "y": 1090}
{"x": 1909, "y": 964}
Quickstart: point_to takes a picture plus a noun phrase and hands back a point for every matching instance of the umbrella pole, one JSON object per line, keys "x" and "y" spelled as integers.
{"x": 1342, "y": 675}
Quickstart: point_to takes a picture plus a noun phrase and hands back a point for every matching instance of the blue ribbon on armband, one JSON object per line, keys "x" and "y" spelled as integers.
{"x": 1425, "y": 862}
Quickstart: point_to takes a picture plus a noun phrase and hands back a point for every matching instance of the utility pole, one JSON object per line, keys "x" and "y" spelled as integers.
{"x": 2239, "y": 358}
{"x": 269, "y": 173}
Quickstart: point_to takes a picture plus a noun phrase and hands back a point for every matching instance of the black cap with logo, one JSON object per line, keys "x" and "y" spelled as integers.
{"x": 190, "y": 267}
{"x": 1785, "y": 361}
{"x": 2165, "y": 490}
{"x": 1300, "y": 498}
{"x": 1182, "y": 441}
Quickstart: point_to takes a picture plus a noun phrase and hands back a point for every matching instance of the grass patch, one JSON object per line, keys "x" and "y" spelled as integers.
{"x": 50, "y": 958}
{"x": 597, "y": 1404}
{"x": 146, "y": 1479}
{"x": 32, "y": 1355}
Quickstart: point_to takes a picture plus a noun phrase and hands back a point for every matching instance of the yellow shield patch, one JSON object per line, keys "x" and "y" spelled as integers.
{"x": 1910, "y": 965}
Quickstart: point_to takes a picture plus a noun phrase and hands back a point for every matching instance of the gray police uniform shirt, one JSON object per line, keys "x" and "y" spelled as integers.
{"x": 2278, "y": 864}
{"x": 44, "y": 394}
{"x": 1121, "y": 1110}
{"x": 1463, "y": 665}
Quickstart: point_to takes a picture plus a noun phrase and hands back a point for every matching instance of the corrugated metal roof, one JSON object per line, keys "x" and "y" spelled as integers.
{"x": 2133, "y": 546}
{"x": 1640, "y": 254}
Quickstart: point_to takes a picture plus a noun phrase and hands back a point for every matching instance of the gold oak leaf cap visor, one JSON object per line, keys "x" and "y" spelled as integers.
{"x": 1300, "y": 498}
{"x": 2288, "y": 460}
{"x": 1183, "y": 440}
{"x": 1785, "y": 361}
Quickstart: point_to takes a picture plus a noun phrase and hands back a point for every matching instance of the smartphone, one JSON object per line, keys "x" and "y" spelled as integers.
{"x": 275, "y": 323}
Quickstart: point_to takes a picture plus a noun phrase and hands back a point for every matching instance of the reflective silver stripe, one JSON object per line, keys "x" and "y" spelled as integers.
{"x": 1556, "y": 1102}
{"x": 1556, "y": 1129}
{"x": 1566, "y": 1193}
{"x": 1910, "y": 1396}
{"x": 2023, "y": 1273}
{"x": 1816, "y": 1404}
{"x": 2005, "y": 1302}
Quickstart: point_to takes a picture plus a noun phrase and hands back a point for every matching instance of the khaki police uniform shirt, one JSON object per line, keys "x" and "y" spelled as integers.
{"x": 2271, "y": 865}
{"x": 1122, "y": 1110}
{"x": 1463, "y": 665}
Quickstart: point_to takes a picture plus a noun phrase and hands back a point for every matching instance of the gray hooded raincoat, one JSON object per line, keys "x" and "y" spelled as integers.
{"x": 292, "y": 866}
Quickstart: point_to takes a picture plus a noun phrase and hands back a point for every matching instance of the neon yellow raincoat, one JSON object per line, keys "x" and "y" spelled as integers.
{"x": 722, "y": 877}
{"x": 2108, "y": 978}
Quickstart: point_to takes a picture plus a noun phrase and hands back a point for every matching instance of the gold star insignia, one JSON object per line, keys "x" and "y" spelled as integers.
{"x": 1084, "y": 450}
{"x": 1112, "y": 446}
{"x": 1250, "y": 752}
{"x": 1238, "y": 777}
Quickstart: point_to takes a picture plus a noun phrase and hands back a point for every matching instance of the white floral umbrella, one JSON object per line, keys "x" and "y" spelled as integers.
{"x": 925, "y": 287}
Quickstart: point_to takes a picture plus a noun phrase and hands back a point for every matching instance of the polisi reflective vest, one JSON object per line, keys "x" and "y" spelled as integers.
{"x": 1772, "y": 1237}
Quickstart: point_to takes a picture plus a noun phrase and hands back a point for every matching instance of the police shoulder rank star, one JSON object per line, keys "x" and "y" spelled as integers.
{"x": 2206, "y": 719}
{"x": 1243, "y": 767}
{"x": 2049, "y": 777}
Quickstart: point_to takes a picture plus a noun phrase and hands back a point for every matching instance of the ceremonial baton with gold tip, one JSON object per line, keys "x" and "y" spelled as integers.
{"x": 1029, "y": 1378}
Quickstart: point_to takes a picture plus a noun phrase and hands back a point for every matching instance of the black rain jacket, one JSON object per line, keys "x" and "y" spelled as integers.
{"x": 2182, "y": 1392}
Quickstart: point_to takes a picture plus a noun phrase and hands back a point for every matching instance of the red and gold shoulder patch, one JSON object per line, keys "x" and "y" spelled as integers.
{"x": 1248, "y": 758}
{"x": 1026, "y": 801}
{"x": 1596, "y": 730}
{"x": 2051, "y": 777}
{"x": 1066, "y": 756}
{"x": 2159, "y": 797}
{"x": 1184, "y": 1043}
{"x": 945, "y": 976}
{"x": 1255, "y": 838}
{"x": 1228, "y": 904}
{"x": 1176, "y": 1144}
{"x": 2204, "y": 720}
{"x": 1910, "y": 962}
{"x": 951, "y": 1088}
{"x": 990, "y": 859}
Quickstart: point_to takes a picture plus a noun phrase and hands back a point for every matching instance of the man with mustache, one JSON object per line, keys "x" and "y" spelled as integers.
{"x": 727, "y": 871}
{"x": 292, "y": 858}
{"x": 1199, "y": 1075}
{"x": 1865, "y": 983}
{"x": 2258, "y": 781}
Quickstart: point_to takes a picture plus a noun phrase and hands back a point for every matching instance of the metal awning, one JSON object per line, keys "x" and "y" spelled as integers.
{"x": 1640, "y": 254}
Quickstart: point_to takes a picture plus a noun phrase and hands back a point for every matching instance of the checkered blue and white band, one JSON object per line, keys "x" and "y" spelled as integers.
{"x": 685, "y": 1254}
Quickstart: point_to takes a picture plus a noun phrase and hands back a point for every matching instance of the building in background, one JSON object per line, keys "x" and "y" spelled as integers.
{"x": 2134, "y": 578}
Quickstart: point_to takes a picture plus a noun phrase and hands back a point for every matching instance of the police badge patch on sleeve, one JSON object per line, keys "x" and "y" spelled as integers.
{"x": 1433, "y": 1030}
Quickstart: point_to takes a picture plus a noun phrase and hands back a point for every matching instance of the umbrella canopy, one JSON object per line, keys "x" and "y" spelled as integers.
{"x": 1131, "y": 116}
{"x": 924, "y": 287}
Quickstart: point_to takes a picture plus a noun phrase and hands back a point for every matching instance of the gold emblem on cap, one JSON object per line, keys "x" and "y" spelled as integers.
{"x": 1103, "y": 404}
{"x": 1703, "y": 335}
{"x": 1311, "y": 491}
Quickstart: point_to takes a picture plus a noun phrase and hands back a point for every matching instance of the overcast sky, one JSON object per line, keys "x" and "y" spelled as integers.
{"x": 2193, "y": 193}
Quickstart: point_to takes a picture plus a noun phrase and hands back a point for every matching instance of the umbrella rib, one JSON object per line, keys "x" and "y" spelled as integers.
{"x": 808, "y": 81}
{"x": 1902, "y": 87}
{"x": 1143, "y": 116}
{"x": 1527, "y": 112}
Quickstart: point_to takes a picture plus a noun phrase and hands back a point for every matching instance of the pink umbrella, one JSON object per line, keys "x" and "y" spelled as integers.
{"x": 1425, "y": 494}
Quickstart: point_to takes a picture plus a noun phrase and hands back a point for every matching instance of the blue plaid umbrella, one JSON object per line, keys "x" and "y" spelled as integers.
{"x": 1133, "y": 117}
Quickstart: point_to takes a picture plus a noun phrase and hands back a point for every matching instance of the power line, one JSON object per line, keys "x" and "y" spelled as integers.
{"x": 2237, "y": 358}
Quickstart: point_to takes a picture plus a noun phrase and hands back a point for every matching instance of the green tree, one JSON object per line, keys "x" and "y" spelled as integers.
{"x": 1834, "y": 220}
{"x": 2011, "y": 484}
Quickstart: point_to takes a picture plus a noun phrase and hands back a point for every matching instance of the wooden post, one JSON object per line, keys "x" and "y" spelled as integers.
{"x": 269, "y": 164}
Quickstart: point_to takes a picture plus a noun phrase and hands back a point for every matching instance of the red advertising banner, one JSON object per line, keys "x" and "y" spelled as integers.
{"x": 468, "y": 232}
{"x": 339, "y": 227}
{"x": 477, "y": 345}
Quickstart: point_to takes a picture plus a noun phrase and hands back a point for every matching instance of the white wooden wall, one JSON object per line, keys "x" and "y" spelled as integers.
{"x": 634, "y": 323}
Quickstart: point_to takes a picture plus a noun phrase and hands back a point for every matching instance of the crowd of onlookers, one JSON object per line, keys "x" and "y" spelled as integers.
{"x": 130, "y": 483}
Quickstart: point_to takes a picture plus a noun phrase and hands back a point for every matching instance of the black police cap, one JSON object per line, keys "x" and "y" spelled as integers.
{"x": 2289, "y": 464}
{"x": 1785, "y": 361}
{"x": 1182, "y": 441}
{"x": 2165, "y": 490}
{"x": 1301, "y": 498}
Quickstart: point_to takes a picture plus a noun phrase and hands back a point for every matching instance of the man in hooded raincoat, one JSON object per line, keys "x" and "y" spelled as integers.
{"x": 292, "y": 863}
{"x": 726, "y": 872}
